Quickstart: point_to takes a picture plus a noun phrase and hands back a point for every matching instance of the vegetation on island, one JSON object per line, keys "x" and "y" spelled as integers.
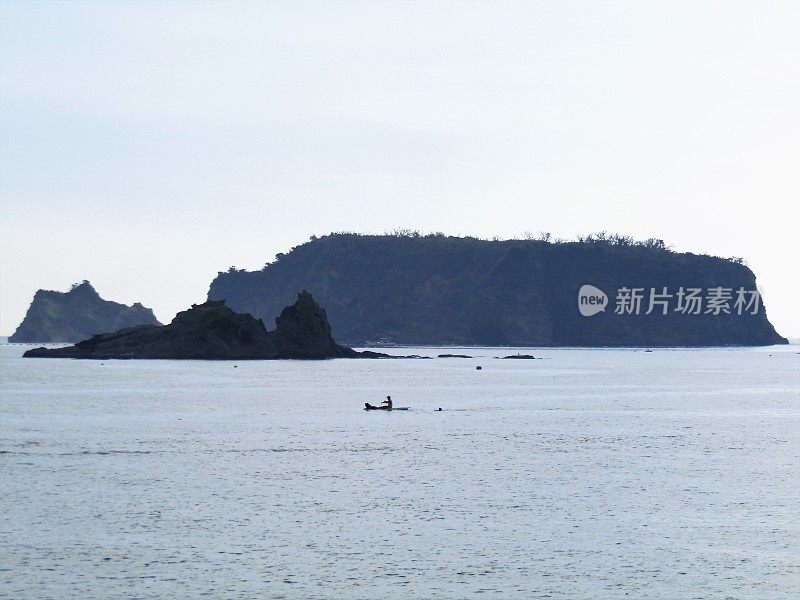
{"x": 407, "y": 287}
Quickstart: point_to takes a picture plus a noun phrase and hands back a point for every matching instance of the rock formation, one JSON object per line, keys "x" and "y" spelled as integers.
{"x": 76, "y": 315}
{"x": 213, "y": 331}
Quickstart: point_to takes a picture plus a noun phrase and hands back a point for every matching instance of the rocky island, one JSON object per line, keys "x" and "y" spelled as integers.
{"x": 212, "y": 331}
{"x": 414, "y": 289}
{"x": 76, "y": 315}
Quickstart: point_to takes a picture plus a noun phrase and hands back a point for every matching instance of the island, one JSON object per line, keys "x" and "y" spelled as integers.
{"x": 212, "y": 331}
{"x": 76, "y": 315}
{"x": 439, "y": 290}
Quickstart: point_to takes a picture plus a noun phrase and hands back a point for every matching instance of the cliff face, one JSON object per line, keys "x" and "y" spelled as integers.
{"x": 214, "y": 332}
{"x": 447, "y": 290}
{"x": 76, "y": 315}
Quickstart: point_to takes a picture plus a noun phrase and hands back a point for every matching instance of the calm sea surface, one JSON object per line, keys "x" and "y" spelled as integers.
{"x": 588, "y": 474}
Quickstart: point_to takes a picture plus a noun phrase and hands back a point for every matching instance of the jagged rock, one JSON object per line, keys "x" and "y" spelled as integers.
{"x": 213, "y": 331}
{"x": 76, "y": 315}
{"x": 303, "y": 331}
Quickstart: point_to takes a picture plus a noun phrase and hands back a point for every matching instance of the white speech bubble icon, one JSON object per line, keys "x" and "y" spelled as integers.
{"x": 591, "y": 300}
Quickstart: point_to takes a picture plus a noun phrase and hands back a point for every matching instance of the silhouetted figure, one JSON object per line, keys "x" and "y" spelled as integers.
{"x": 387, "y": 405}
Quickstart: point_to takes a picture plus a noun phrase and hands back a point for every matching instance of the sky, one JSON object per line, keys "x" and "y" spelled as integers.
{"x": 147, "y": 146}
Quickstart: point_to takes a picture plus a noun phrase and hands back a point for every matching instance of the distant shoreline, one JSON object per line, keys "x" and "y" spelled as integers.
{"x": 792, "y": 342}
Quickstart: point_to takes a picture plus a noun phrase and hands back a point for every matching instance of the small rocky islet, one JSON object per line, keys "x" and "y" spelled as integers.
{"x": 212, "y": 331}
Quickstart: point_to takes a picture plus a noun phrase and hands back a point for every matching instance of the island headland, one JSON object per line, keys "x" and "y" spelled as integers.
{"x": 76, "y": 315}
{"x": 412, "y": 289}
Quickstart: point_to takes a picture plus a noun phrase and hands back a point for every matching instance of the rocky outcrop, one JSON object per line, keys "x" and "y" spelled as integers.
{"x": 76, "y": 315}
{"x": 212, "y": 331}
{"x": 302, "y": 331}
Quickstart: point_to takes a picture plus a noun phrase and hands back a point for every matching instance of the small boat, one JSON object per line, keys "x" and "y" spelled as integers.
{"x": 368, "y": 406}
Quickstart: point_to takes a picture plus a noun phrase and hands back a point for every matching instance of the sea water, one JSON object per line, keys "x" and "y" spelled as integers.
{"x": 582, "y": 474}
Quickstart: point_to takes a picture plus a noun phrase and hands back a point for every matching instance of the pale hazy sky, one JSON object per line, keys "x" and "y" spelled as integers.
{"x": 146, "y": 146}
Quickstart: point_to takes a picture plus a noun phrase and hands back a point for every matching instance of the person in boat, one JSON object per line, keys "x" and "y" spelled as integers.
{"x": 387, "y": 405}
